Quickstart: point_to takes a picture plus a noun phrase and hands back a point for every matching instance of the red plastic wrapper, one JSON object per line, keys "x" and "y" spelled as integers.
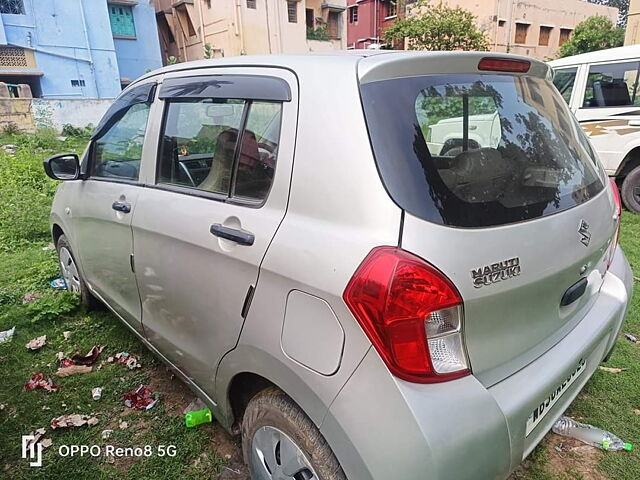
{"x": 141, "y": 398}
{"x": 39, "y": 381}
{"x": 77, "y": 359}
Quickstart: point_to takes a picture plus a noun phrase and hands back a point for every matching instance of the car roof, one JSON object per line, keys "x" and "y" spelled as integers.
{"x": 609, "y": 55}
{"x": 371, "y": 63}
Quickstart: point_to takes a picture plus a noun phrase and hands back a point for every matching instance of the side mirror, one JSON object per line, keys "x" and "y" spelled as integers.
{"x": 63, "y": 167}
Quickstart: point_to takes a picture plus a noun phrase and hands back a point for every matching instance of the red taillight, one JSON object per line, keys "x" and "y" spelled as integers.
{"x": 411, "y": 313}
{"x": 616, "y": 196}
{"x": 504, "y": 65}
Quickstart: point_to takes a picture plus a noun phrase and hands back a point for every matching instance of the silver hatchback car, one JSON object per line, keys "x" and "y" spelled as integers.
{"x": 372, "y": 266}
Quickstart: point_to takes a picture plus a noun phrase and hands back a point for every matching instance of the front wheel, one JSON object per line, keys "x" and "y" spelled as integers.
{"x": 72, "y": 276}
{"x": 630, "y": 191}
{"x": 280, "y": 442}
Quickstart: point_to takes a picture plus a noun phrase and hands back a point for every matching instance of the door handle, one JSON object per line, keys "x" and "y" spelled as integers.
{"x": 233, "y": 234}
{"x": 121, "y": 207}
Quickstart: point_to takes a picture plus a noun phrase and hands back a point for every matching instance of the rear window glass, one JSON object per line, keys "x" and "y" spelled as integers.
{"x": 478, "y": 150}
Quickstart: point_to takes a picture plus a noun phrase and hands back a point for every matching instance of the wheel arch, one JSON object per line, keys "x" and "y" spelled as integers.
{"x": 631, "y": 160}
{"x": 56, "y": 233}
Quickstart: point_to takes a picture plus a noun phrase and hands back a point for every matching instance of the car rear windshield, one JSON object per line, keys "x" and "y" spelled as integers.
{"x": 478, "y": 150}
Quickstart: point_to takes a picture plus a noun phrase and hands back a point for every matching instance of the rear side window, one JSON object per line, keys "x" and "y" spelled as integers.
{"x": 564, "y": 79}
{"x": 201, "y": 149}
{"x": 612, "y": 85}
{"x": 478, "y": 150}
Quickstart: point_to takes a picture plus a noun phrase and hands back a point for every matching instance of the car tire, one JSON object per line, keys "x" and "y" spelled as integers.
{"x": 72, "y": 276}
{"x": 274, "y": 433}
{"x": 630, "y": 191}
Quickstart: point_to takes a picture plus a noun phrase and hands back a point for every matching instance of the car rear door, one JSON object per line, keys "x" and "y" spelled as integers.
{"x": 523, "y": 225}
{"x": 107, "y": 199}
{"x": 204, "y": 224}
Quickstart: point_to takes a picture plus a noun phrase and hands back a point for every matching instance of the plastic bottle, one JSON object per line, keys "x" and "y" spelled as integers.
{"x": 191, "y": 419}
{"x": 589, "y": 434}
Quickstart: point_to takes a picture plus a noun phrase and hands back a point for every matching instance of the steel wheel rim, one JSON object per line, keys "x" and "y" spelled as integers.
{"x": 276, "y": 456}
{"x": 69, "y": 271}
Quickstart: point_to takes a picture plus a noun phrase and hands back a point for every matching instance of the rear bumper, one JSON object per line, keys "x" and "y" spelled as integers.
{"x": 381, "y": 427}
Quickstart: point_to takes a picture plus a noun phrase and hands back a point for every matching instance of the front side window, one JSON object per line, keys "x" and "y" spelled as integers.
{"x": 564, "y": 80}
{"x": 117, "y": 152}
{"x": 200, "y": 148}
{"x": 478, "y": 150}
{"x": 13, "y": 7}
{"x": 612, "y": 85}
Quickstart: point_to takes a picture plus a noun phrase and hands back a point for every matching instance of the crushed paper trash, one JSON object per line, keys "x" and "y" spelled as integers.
{"x": 141, "y": 398}
{"x": 66, "y": 335}
{"x": 58, "y": 284}
{"x": 96, "y": 393}
{"x": 7, "y": 335}
{"x": 131, "y": 361}
{"x": 73, "y": 370}
{"x": 631, "y": 338}
{"x": 73, "y": 420}
{"x": 48, "y": 247}
{"x": 37, "y": 343}
{"x": 29, "y": 298}
{"x": 106, "y": 434}
{"x": 78, "y": 359}
{"x": 39, "y": 381}
{"x": 46, "y": 443}
{"x": 37, "y": 437}
{"x": 123, "y": 425}
{"x": 612, "y": 369}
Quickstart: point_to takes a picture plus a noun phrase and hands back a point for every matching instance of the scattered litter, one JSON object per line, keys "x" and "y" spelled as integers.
{"x": 2, "y": 406}
{"x": 141, "y": 398}
{"x": 62, "y": 138}
{"x": 10, "y": 149}
{"x": 78, "y": 359}
{"x": 60, "y": 356}
{"x": 195, "y": 405}
{"x": 96, "y": 393}
{"x": 7, "y": 335}
{"x": 29, "y": 298}
{"x": 131, "y": 361}
{"x": 106, "y": 434}
{"x": 635, "y": 410}
{"x": 73, "y": 370}
{"x": 123, "y": 425}
{"x": 46, "y": 443}
{"x": 66, "y": 335}
{"x": 37, "y": 343}
{"x": 44, "y": 407}
{"x": 612, "y": 369}
{"x": 192, "y": 419}
{"x": 589, "y": 434}
{"x": 73, "y": 420}
{"x": 631, "y": 338}
{"x": 39, "y": 381}
{"x": 37, "y": 436}
{"x": 50, "y": 246}
{"x": 58, "y": 284}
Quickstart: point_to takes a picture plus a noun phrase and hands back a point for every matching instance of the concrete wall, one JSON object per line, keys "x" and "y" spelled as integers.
{"x": 57, "y": 113}
{"x": 17, "y": 111}
{"x": 139, "y": 55}
{"x": 632, "y": 33}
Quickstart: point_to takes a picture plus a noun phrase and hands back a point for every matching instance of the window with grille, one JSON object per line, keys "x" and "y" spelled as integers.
{"x": 392, "y": 9}
{"x": 565, "y": 33}
{"x": 292, "y": 11}
{"x": 13, "y": 57}
{"x": 521, "y": 32}
{"x": 121, "y": 18}
{"x": 353, "y": 15}
{"x": 14, "y": 7}
{"x": 545, "y": 33}
{"x": 77, "y": 83}
{"x": 251, "y": 4}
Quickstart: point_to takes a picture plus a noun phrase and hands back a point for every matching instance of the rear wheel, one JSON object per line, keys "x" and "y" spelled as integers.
{"x": 280, "y": 442}
{"x": 72, "y": 276}
{"x": 630, "y": 191}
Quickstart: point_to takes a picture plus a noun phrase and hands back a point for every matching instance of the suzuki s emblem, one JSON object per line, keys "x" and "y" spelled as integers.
{"x": 585, "y": 234}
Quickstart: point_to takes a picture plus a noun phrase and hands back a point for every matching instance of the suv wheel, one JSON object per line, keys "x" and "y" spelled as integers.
{"x": 630, "y": 191}
{"x": 71, "y": 274}
{"x": 280, "y": 442}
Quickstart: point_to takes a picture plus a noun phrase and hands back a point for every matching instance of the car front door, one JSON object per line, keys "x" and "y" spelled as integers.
{"x": 220, "y": 192}
{"x": 107, "y": 200}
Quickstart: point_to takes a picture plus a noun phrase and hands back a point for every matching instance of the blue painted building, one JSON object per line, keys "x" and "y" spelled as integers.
{"x": 76, "y": 48}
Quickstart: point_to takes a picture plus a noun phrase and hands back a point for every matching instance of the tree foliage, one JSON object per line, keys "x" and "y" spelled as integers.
{"x": 594, "y": 33}
{"x": 621, "y": 5}
{"x": 438, "y": 27}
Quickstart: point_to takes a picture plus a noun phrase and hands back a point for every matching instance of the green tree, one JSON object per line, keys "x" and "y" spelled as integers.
{"x": 594, "y": 33}
{"x": 437, "y": 27}
{"x": 621, "y": 5}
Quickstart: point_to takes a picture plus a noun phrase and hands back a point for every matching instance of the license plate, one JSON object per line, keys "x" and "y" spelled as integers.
{"x": 541, "y": 410}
